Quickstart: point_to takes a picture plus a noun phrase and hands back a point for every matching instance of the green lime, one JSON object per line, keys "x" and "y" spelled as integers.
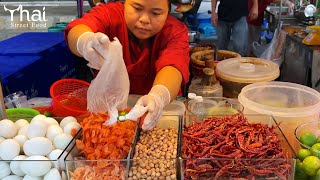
{"x": 122, "y": 113}
{"x": 308, "y": 139}
{"x": 318, "y": 139}
{"x": 299, "y": 173}
{"x": 317, "y": 176}
{"x": 48, "y": 114}
{"x": 311, "y": 165}
{"x": 315, "y": 150}
{"x": 303, "y": 153}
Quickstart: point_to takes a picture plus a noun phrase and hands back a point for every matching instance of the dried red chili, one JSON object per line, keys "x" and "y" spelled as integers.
{"x": 246, "y": 150}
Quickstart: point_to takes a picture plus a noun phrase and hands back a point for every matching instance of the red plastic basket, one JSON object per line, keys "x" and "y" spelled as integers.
{"x": 69, "y": 97}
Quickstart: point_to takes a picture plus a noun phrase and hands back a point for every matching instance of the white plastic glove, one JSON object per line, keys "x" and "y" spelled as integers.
{"x": 94, "y": 48}
{"x": 154, "y": 102}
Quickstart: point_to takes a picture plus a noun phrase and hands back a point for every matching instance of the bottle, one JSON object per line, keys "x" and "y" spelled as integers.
{"x": 263, "y": 33}
{"x": 207, "y": 86}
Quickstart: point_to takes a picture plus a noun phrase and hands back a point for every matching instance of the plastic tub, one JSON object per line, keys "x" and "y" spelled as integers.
{"x": 208, "y": 168}
{"x": 289, "y": 103}
{"x": 211, "y": 106}
{"x": 15, "y": 114}
{"x": 236, "y": 73}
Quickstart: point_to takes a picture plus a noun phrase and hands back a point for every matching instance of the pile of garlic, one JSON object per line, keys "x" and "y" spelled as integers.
{"x": 43, "y": 139}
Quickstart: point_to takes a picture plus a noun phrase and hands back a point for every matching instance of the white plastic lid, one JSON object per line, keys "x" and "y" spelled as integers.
{"x": 247, "y": 70}
{"x": 280, "y": 99}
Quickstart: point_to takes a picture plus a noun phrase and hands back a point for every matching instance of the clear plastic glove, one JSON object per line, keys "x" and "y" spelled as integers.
{"x": 290, "y": 6}
{"x": 154, "y": 102}
{"x": 94, "y": 48}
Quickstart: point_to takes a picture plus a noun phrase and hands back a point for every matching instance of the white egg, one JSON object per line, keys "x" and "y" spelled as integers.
{"x": 4, "y": 169}
{"x": 36, "y": 129}
{"x": 63, "y": 175}
{"x": 12, "y": 177}
{"x": 23, "y": 130}
{"x": 21, "y": 123}
{"x": 50, "y": 121}
{"x": 8, "y": 129}
{"x": 53, "y": 174}
{"x": 38, "y": 118}
{"x": 1, "y": 139}
{"x": 52, "y": 131}
{"x": 70, "y": 127}
{"x": 57, "y": 162}
{"x": 38, "y": 146}
{"x": 62, "y": 140}
{"x": 9, "y": 149}
{"x": 15, "y": 165}
{"x": 67, "y": 120}
{"x": 36, "y": 168}
{"x": 27, "y": 177}
{"x": 21, "y": 139}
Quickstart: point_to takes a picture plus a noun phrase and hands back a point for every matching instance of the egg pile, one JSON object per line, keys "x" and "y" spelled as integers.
{"x": 32, "y": 150}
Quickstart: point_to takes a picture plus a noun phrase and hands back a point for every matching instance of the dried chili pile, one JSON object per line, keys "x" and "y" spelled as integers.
{"x": 105, "y": 142}
{"x": 241, "y": 150}
{"x": 101, "y": 171}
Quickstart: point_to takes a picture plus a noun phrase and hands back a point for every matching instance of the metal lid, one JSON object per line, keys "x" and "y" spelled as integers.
{"x": 247, "y": 70}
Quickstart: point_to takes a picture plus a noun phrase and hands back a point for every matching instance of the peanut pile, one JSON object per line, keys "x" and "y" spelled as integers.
{"x": 154, "y": 155}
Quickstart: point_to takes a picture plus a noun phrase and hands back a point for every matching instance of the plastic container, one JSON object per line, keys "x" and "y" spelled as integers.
{"x": 126, "y": 163}
{"x": 62, "y": 24}
{"x": 311, "y": 127}
{"x": 55, "y": 29}
{"x": 290, "y": 104}
{"x": 15, "y": 114}
{"x": 69, "y": 97}
{"x": 236, "y": 73}
{"x": 214, "y": 90}
{"x": 213, "y": 106}
{"x": 16, "y": 100}
{"x": 209, "y": 167}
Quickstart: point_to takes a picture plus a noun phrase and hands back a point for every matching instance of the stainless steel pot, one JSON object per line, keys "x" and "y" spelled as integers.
{"x": 183, "y": 1}
{"x": 193, "y": 36}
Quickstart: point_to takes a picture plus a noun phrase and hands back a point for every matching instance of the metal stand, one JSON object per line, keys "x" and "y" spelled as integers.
{"x": 80, "y": 8}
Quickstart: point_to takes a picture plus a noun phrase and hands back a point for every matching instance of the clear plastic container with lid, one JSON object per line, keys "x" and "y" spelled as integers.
{"x": 290, "y": 104}
{"x": 236, "y": 73}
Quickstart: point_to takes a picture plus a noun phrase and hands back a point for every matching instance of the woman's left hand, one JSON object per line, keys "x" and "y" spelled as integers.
{"x": 154, "y": 102}
{"x": 253, "y": 14}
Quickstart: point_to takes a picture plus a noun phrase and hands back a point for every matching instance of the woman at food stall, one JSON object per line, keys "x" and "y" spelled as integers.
{"x": 155, "y": 48}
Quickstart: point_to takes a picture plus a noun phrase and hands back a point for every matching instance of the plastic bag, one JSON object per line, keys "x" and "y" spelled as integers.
{"x": 274, "y": 49}
{"x": 109, "y": 91}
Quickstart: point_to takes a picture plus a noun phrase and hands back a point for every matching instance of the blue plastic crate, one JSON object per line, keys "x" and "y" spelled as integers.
{"x": 30, "y": 43}
{"x": 38, "y": 60}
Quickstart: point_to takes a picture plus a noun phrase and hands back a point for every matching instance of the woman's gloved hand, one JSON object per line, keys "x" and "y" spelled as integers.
{"x": 94, "y": 48}
{"x": 154, "y": 102}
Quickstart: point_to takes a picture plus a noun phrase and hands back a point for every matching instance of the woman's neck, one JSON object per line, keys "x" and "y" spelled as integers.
{"x": 141, "y": 42}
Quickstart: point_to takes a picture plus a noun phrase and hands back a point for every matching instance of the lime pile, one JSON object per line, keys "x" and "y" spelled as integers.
{"x": 308, "y": 163}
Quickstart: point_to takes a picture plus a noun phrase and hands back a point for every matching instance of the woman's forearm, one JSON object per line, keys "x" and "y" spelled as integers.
{"x": 171, "y": 78}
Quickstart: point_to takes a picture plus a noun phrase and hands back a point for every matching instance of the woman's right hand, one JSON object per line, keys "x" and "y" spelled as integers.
{"x": 94, "y": 48}
{"x": 214, "y": 18}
